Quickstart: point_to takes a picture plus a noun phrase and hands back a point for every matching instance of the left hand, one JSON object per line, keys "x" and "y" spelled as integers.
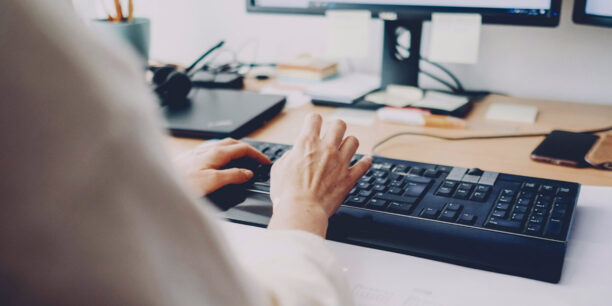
{"x": 200, "y": 166}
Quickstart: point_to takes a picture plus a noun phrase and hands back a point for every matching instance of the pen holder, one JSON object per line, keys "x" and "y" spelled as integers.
{"x": 136, "y": 33}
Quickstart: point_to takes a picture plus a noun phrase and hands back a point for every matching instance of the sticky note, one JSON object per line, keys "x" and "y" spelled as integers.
{"x": 512, "y": 112}
{"x": 348, "y": 33}
{"x": 455, "y": 38}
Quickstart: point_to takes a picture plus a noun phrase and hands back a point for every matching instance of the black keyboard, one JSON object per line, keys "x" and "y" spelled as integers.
{"x": 493, "y": 221}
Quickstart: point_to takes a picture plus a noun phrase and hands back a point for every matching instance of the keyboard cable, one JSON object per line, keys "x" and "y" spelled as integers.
{"x": 484, "y": 137}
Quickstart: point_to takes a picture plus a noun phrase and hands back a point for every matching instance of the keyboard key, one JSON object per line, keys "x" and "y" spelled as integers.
{"x": 462, "y": 194}
{"x": 377, "y": 204}
{"x": 354, "y": 191}
{"x": 536, "y": 220}
{"x": 563, "y": 191}
{"x": 518, "y": 217}
{"x": 453, "y": 206}
{"x": 520, "y": 209}
{"x": 431, "y": 173}
{"x": 505, "y": 199}
{"x": 506, "y": 225}
{"x": 366, "y": 179}
{"x": 382, "y": 181}
{"x": 533, "y": 229}
{"x": 466, "y": 186}
{"x": 364, "y": 186}
{"x": 540, "y": 211}
{"x": 448, "y": 215}
{"x": 400, "y": 208}
{"x": 482, "y": 188}
{"x": 558, "y": 213}
{"x": 415, "y": 190}
{"x": 418, "y": 180}
{"x": 444, "y": 168}
{"x": 508, "y": 193}
{"x": 380, "y": 174}
{"x": 416, "y": 171}
{"x": 502, "y": 206}
{"x": 547, "y": 189}
{"x": 479, "y": 196}
{"x": 430, "y": 213}
{"x": 379, "y": 188}
{"x": 561, "y": 200}
{"x": 529, "y": 186}
{"x": 553, "y": 228}
{"x": 499, "y": 214}
{"x": 444, "y": 191}
{"x": 449, "y": 184}
{"x": 355, "y": 201}
{"x": 542, "y": 204}
{"x": 395, "y": 198}
{"x": 475, "y": 171}
{"x": 395, "y": 190}
{"x": 467, "y": 219}
{"x": 523, "y": 201}
{"x": 365, "y": 193}
{"x": 526, "y": 194}
{"x": 398, "y": 184}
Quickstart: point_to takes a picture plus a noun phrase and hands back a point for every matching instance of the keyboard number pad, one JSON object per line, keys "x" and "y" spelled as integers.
{"x": 532, "y": 209}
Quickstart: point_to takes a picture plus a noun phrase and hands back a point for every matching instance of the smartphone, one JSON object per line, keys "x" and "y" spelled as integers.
{"x": 565, "y": 148}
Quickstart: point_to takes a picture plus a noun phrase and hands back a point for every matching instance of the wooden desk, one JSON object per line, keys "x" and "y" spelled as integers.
{"x": 501, "y": 155}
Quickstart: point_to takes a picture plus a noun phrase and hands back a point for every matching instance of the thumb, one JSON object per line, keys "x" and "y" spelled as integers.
{"x": 232, "y": 176}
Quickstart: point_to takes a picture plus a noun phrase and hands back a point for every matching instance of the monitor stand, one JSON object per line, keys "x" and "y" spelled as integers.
{"x": 401, "y": 52}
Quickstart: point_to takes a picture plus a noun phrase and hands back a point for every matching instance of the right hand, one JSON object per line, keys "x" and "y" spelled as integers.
{"x": 309, "y": 182}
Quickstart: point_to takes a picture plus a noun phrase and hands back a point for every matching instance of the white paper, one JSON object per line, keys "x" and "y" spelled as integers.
{"x": 355, "y": 116}
{"x": 348, "y": 33}
{"x": 455, "y": 38}
{"x": 441, "y": 101}
{"x": 390, "y": 279}
{"x": 344, "y": 89}
{"x": 512, "y": 112}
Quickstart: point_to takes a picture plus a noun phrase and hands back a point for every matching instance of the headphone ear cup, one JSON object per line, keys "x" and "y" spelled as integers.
{"x": 161, "y": 75}
{"x": 175, "y": 89}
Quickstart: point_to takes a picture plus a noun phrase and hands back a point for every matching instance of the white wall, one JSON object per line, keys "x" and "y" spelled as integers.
{"x": 570, "y": 62}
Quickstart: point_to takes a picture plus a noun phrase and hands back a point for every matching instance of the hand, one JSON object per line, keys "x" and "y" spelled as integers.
{"x": 310, "y": 181}
{"x": 200, "y": 166}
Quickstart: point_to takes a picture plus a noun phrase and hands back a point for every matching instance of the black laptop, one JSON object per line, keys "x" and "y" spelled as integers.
{"x": 219, "y": 113}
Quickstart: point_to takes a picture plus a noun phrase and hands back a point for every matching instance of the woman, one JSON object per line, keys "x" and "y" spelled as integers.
{"x": 93, "y": 212}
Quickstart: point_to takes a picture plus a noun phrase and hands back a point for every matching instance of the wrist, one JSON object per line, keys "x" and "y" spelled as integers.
{"x": 299, "y": 214}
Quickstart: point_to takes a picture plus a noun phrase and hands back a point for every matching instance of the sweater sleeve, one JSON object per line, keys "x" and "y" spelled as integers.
{"x": 92, "y": 210}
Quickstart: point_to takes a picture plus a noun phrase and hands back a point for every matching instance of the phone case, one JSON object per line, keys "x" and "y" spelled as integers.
{"x": 601, "y": 153}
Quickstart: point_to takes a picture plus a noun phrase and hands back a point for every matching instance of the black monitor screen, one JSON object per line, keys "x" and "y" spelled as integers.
{"x": 594, "y": 12}
{"x": 529, "y": 12}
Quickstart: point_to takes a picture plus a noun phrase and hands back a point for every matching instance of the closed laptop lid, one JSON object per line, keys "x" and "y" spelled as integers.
{"x": 222, "y": 113}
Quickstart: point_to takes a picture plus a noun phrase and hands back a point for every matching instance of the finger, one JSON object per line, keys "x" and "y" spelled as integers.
{"x": 228, "y": 141}
{"x": 360, "y": 168}
{"x": 312, "y": 127}
{"x": 335, "y": 132}
{"x": 242, "y": 149}
{"x": 349, "y": 147}
{"x": 232, "y": 176}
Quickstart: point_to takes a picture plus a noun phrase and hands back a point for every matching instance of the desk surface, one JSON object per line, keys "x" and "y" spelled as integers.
{"x": 501, "y": 155}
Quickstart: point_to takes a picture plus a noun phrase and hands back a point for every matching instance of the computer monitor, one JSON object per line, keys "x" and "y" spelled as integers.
{"x": 408, "y": 15}
{"x": 593, "y": 12}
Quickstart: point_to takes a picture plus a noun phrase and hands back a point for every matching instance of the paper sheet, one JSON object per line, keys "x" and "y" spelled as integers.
{"x": 390, "y": 279}
{"x": 441, "y": 101}
{"x": 355, "y": 116}
{"x": 348, "y": 33}
{"x": 455, "y": 38}
{"x": 344, "y": 89}
{"x": 512, "y": 112}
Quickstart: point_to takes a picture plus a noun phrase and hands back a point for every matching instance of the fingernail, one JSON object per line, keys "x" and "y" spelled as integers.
{"x": 248, "y": 173}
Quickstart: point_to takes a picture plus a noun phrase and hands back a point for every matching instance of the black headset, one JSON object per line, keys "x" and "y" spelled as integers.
{"x": 172, "y": 86}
